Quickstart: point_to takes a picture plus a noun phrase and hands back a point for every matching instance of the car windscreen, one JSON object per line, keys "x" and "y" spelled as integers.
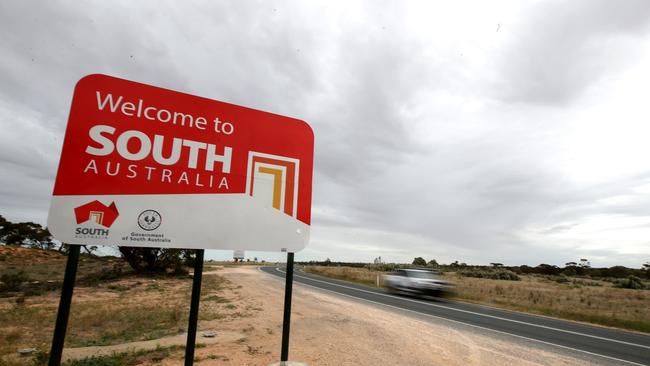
{"x": 421, "y": 274}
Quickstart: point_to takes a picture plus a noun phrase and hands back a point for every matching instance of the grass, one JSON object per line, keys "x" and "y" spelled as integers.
{"x": 127, "y": 358}
{"x": 105, "y": 325}
{"x": 105, "y": 311}
{"x": 601, "y": 304}
{"x": 596, "y": 302}
{"x": 216, "y": 298}
{"x": 352, "y": 274}
{"x": 34, "y": 272}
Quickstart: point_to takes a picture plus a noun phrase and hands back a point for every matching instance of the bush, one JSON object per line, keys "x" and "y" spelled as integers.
{"x": 383, "y": 267}
{"x": 632, "y": 282}
{"x": 158, "y": 260}
{"x": 20, "y": 282}
{"x": 12, "y": 282}
{"x": 582, "y": 282}
{"x": 562, "y": 279}
{"x": 419, "y": 261}
{"x": 491, "y": 274}
{"x": 104, "y": 275}
{"x": 617, "y": 272}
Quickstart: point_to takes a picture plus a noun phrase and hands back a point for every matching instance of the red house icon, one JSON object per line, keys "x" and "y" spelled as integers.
{"x": 97, "y": 212}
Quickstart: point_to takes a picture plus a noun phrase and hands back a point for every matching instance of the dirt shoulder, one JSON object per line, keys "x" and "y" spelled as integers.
{"x": 331, "y": 330}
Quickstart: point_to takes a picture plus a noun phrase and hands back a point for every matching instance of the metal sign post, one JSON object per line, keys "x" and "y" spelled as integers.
{"x": 64, "y": 306}
{"x": 194, "y": 308}
{"x": 286, "y": 321}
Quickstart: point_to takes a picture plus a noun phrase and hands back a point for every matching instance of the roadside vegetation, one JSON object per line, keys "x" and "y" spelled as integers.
{"x": 617, "y": 296}
{"x": 143, "y": 293}
{"x": 129, "y": 358}
{"x": 111, "y": 303}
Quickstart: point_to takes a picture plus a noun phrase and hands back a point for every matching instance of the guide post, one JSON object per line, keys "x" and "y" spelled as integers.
{"x": 194, "y": 308}
{"x": 64, "y": 305}
{"x": 286, "y": 320}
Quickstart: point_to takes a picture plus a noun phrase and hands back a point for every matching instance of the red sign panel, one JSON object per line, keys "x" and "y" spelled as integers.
{"x": 180, "y": 171}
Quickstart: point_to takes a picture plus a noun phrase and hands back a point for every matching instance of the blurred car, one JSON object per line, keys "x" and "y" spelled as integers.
{"x": 420, "y": 282}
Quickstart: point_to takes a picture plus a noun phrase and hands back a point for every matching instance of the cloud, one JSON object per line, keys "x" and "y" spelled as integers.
{"x": 552, "y": 56}
{"x": 435, "y": 134}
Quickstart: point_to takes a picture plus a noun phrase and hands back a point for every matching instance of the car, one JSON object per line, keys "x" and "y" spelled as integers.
{"x": 420, "y": 282}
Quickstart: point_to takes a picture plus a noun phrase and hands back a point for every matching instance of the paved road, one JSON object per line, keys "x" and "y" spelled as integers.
{"x": 612, "y": 345}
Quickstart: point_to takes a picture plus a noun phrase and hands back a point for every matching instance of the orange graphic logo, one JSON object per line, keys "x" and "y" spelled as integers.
{"x": 97, "y": 212}
{"x": 275, "y": 179}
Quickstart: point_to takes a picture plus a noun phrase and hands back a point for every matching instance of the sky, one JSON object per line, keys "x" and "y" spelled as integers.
{"x": 501, "y": 131}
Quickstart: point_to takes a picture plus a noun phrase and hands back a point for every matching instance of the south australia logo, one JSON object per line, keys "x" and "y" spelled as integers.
{"x": 98, "y": 214}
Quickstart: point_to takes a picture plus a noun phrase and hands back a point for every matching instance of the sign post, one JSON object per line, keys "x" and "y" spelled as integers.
{"x": 64, "y": 306}
{"x": 286, "y": 319}
{"x": 194, "y": 307}
{"x": 150, "y": 167}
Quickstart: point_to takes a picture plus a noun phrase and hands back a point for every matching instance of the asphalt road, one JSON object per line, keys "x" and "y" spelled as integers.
{"x": 612, "y": 345}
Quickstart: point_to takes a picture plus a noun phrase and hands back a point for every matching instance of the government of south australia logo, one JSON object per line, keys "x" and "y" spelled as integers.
{"x": 98, "y": 213}
{"x": 149, "y": 220}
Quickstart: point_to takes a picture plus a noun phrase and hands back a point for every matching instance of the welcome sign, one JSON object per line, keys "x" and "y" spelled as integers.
{"x": 146, "y": 166}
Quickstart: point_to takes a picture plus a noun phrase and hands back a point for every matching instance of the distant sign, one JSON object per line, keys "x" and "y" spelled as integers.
{"x": 151, "y": 167}
{"x": 238, "y": 254}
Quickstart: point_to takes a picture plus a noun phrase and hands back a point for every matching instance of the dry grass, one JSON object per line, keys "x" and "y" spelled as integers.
{"x": 129, "y": 358}
{"x": 129, "y": 309}
{"x": 604, "y": 304}
{"x": 352, "y": 274}
{"x": 44, "y": 265}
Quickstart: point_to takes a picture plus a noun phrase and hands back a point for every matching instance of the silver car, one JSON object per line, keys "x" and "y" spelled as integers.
{"x": 422, "y": 282}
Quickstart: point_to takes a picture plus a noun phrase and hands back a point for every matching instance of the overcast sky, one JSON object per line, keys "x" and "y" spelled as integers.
{"x": 479, "y": 131}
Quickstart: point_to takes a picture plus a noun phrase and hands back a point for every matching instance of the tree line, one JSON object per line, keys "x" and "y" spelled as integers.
{"x": 582, "y": 268}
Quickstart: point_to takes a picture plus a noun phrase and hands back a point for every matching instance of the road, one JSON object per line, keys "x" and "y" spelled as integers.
{"x": 615, "y": 346}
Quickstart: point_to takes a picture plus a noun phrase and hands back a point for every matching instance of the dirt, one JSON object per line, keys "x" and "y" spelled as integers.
{"x": 331, "y": 330}
{"x": 224, "y": 337}
{"x": 25, "y": 255}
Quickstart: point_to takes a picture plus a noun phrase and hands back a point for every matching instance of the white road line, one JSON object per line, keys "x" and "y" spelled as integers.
{"x": 476, "y": 326}
{"x": 478, "y": 314}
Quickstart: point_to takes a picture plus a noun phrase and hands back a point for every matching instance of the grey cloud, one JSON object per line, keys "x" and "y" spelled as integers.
{"x": 567, "y": 46}
{"x": 48, "y": 47}
{"x": 479, "y": 199}
{"x": 471, "y": 176}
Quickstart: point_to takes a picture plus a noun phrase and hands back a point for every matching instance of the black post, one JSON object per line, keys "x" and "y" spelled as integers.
{"x": 194, "y": 308}
{"x": 286, "y": 321}
{"x": 64, "y": 306}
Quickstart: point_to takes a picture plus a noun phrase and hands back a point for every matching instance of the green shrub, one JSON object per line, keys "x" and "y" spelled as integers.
{"x": 632, "y": 282}
{"x": 12, "y": 281}
{"x": 502, "y": 274}
{"x": 104, "y": 275}
{"x": 583, "y": 282}
{"x": 384, "y": 267}
{"x": 562, "y": 279}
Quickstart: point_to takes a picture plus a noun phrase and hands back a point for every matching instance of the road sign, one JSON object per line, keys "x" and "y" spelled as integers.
{"x": 152, "y": 167}
{"x": 238, "y": 254}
